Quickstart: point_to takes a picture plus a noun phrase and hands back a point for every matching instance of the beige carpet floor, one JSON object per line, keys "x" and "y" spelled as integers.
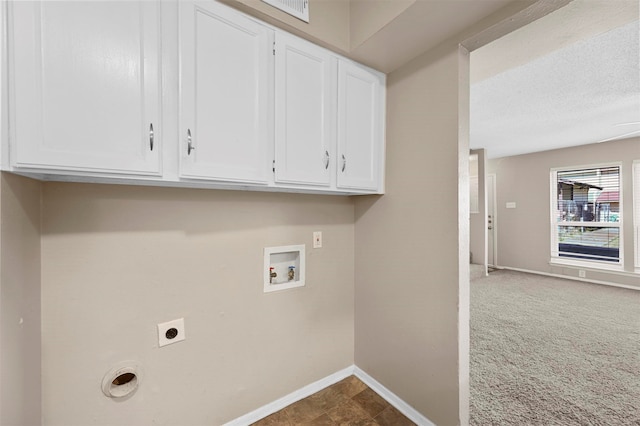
{"x": 548, "y": 351}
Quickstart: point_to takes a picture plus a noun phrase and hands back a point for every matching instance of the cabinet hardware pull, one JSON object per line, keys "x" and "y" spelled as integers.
{"x": 326, "y": 160}
{"x": 151, "y": 136}
{"x": 344, "y": 163}
{"x": 190, "y": 146}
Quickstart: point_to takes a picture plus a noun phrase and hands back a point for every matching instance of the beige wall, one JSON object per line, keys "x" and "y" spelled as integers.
{"x": 523, "y": 235}
{"x": 19, "y": 301}
{"x": 407, "y": 243}
{"x": 412, "y": 244}
{"x": 117, "y": 260}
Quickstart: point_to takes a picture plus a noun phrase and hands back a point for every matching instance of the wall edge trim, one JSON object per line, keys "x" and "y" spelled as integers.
{"x": 316, "y": 386}
{"x": 289, "y": 399}
{"x": 568, "y": 277}
{"x": 413, "y": 414}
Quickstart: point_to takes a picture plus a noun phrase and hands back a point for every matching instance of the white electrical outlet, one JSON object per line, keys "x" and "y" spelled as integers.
{"x": 317, "y": 239}
{"x": 171, "y": 332}
{"x": 582, "y": 273}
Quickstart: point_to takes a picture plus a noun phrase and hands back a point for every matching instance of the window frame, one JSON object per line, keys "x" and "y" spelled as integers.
{"x": 554, "y": 253}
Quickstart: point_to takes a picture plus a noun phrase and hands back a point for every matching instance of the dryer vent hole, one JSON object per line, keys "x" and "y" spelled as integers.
{"x": 123, "y": 379}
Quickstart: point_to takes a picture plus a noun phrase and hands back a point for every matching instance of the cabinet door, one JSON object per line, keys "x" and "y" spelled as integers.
{"x": 85, "y": 86}
{"x": 360, "y": 127}
{"x": 305, "y": 111}
{"x": 226, "y": 82}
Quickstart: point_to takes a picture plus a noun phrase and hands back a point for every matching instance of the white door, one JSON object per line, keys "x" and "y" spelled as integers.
{"x": 359, "y": 127}
{"x": 491, "y": 220}
{"x": 85, "y": 79}
{"x": 305, "y": 110}
{"x": 225, "y": 92}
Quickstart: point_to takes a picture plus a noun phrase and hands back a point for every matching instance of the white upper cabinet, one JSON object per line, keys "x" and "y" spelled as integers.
{"x": 226, "y": 73}
{"x": 184, "y": 93}
{"x": 85, "y": 86}
{"x": 305, "y": 112}
{"x": 360, "y": 127}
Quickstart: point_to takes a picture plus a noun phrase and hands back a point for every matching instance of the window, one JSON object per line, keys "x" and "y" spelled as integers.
{"x": 586, "y": 215}
{"x": 636, "y": 210}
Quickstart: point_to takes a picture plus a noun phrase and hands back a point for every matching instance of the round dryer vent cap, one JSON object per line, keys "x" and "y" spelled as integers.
{"x": 122, "y": 380}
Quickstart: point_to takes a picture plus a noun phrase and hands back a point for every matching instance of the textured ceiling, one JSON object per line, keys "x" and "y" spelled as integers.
{"x": 584, "y": 92}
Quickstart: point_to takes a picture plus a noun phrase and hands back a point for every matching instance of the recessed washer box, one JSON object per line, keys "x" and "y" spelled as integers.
{"x": 284, "y": 267}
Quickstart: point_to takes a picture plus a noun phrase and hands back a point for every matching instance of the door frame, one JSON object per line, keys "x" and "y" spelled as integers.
{"x": 491, "y": 180}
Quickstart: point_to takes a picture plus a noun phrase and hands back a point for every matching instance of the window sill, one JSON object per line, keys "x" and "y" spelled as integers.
{"x": 593, "y": 265}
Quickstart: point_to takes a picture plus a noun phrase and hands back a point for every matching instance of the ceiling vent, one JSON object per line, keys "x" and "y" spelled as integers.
{"x": 297, "y": 8}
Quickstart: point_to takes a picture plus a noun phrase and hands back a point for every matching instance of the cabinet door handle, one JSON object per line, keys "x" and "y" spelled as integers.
{"x": 344, "y": 163}
{"x": 326, "y": 160}
{"x": 151, "y": 136}
{"x": 190, "y": 146}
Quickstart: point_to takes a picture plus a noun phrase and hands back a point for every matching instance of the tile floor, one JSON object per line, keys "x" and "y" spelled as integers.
{"x": 348, "y": 402}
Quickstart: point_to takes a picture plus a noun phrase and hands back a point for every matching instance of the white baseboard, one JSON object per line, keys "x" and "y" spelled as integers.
{"x": 314, "y": 387}
{"x": 287, "y": 400}
{"x": 569, "y": 277}
{"x": 393, "y": 399}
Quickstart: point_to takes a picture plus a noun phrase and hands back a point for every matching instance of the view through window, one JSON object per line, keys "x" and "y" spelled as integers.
{"x": 587, "y": 214}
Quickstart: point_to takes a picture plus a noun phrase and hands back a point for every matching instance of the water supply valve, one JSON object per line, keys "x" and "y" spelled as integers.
{"x": 292, "y": 273}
